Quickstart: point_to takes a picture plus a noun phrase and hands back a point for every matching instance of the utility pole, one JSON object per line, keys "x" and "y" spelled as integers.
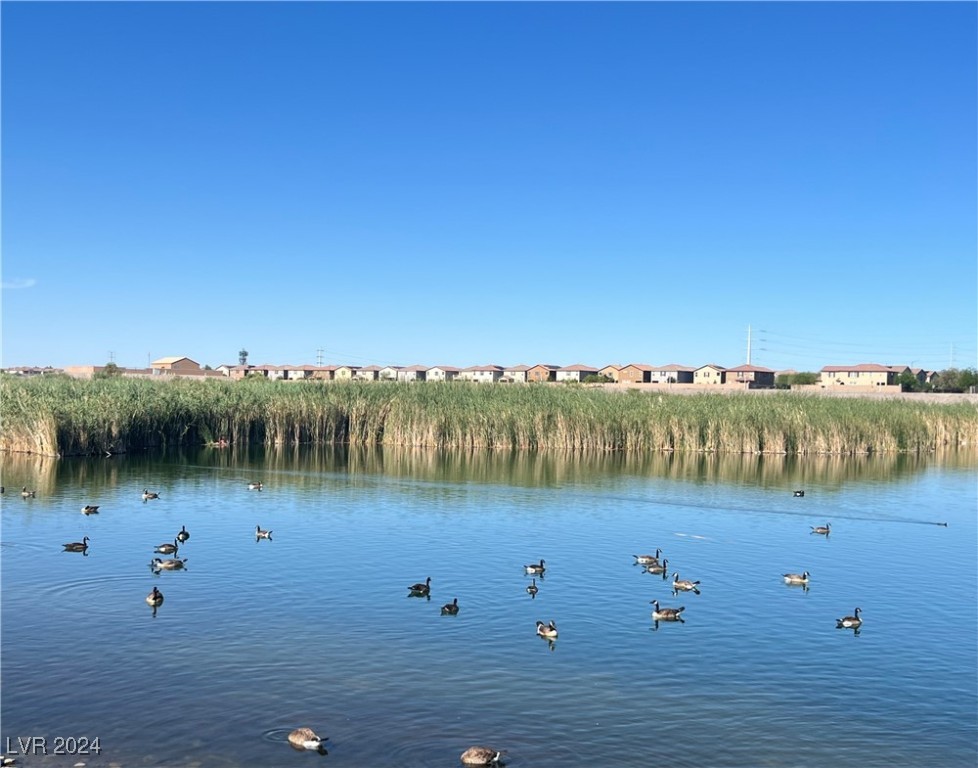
{"x": 111, "y": 356}
{"x": 748, "y": 345}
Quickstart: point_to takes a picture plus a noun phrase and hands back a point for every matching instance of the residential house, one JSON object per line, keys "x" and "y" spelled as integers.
{"x": 750, "y": 376}
{"x": 388, "y": 373}
{"x": 367, "y": 373}
{"x": 709, "y": 374}
{"x": 484, "y": 374}
{"x": 861, "y": 375}
{"x": 516, "y": 374}
{"x": 442, "y": 373}
{"x": 575, "y": 372}
{"x": 671, "y": 374}
{"x": 345, "y": 372}
{"x": 542, "y": 372}
{"x": 635, "y": 373}
{"x": 610, "y": 372}
{"x": 174, "y": 365}
{"x": 412, "y": 373}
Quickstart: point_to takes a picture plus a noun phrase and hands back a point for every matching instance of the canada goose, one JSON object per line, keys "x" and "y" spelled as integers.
{"x": 648, "y": 559}
{"x": 148, "y": 494}
{"x": 90, "y": 509}
{"x": 547, "y": 630}
{"x": 306, "y": 738}
{"x": 450, "y": 608}
{"x": 77, "y": 546}
{"x": 535, "y": 567}
{"x": 822, "y": 529}
{"x": 27, "y": 494}
{"x": 155, "y": 598}
{"x": 184, "y": 534}
{"x": 481, "y": 756}
{"x": 666, "y": 614}
{"x": 173, "y": 564}
{"x": 262, "y": 534}
{"x": 532, "y": 589}
{"x": 684, "y": 584}
{"x": 167, "y": 549}
{"x": 6, "y": 760}
{"x": 850, "y": 622}
{"x": 662, "y": 568}
{"x": 421, "y": 590}
{"x": 796, "y": 578}
{"x": 799, "y": 494}
{"x": 256, "y": 487}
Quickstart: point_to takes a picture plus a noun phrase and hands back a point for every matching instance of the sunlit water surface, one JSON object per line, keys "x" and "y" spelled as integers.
{"x": 316, "y": 627}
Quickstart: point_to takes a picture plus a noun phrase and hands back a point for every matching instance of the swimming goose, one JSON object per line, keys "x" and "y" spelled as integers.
{"x": 662, "y": 568}
{"x": 850, "y": 622}
{"x": 535, "y": 567}
{"x": 532, "y": 589}
{"x": 167, "y": 549}
{"x": 450, "y": 608}
{"x": 421, "y": 590}
{"x": 90, "y": 509}
{"x": 796, "y": 578}
{"x": 27, "y": 494}
{"x": 481, "y": 756}
{"x": 799, "y": 494}
{"x": 155, "y": 598}
{"x": 184, "y": 534}
{"x": 173, "y": 564}
{"x": 648, "y": 559}
{"x": 666, "y": 614}
{"x": 306, "y": 738}
{"x": 547, "y": 630}
{"x": 262, "y": 534}
{"x": 822, "y": 529}
{"x": 684, "y": 584}
{"x": 255, "y": 486}
{"x": 148, "y": 494}
{"x": 77, "y": 546}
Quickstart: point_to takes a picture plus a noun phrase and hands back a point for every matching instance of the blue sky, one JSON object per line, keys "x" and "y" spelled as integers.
{"x": 471, "y": 183}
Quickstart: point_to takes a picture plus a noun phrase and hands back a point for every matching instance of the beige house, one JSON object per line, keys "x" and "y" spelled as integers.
{"x": 671, "y": 374}
{"x": 709, "y": 374}
{"x": 611, "y": 372}
{"x": 367, "y": 373}
{"x": 168, "y": 365}
{"x": 861, "y": 375}
{"x": 483, "y": 374}
{"x": 412, "y": 373}
{"x": 516, "y": 374}
{"x": 542, "y": 372}
{"x": 575, "y": 372}
{"x": 750, "y": 376}
{"x": 635, "y": 373}
{"x": 442, "y": 373}
{"x": 345, "y": 372}
{"x": 388, "y": 373}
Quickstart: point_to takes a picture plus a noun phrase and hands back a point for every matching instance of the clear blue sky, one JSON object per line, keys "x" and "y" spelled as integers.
{"x": 471, "y": 183}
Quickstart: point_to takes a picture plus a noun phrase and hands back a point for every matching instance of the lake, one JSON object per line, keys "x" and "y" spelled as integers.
{"x": 316, "y": 627}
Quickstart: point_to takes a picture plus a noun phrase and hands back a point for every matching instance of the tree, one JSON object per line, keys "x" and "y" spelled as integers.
{"x": 243, "y": 356}
{"x": 908, "y": 382}
{"x": 109, "y": 371}
{"x": 787, "y": 380}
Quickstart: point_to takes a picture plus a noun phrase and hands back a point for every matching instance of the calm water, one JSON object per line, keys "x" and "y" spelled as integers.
{"x": 315, "y": 627}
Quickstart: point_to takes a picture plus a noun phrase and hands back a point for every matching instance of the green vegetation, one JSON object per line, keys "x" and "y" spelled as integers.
{"x": 58, "y": 415}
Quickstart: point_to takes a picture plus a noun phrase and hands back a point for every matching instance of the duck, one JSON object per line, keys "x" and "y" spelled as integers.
{"x": 421, "y": 589}
{"x": 850, "y": 622}
{"x": 76, "y": 546}
{"x": 173, "y": 564}
{"x": 666, "y": 614}
{"x": 262, "y": 534}
{"x": 90, "y": 509}
{"x": 27, "y": 494}
{"x": 155, "y": 598}
{"x": 167, "y": 549}
{"x": 255, "y": 486}
{"x": 547, "y": 630}
{"x": 825, "y": 530}
{"x": 148, "y": 494}
{"x": 537, "y": 568}
{"x": 648, "y": 559}
{"x": 532, "y": 589}
{"x": 183, "y": 535}
{"x": 479, "y": 755}
{"x": 662, "y": 568}
{"x": 306, "y": 738}
{"x": 798, "y": 494}
{"x": 796, "y": 578}
{"x": 684, "y": 584}
{"x": 450, "y": 608}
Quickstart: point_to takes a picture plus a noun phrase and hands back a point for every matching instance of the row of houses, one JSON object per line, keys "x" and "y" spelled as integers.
{"x": 864, "y": 375}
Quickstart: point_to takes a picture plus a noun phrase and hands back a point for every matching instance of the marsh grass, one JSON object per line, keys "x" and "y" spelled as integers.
{"x": 65, "y": 416}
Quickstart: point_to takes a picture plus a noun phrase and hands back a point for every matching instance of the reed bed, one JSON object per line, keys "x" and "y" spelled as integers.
{"x": 62, "y": 416}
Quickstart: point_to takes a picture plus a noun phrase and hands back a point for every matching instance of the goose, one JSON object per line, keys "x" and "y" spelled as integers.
{"x": 662, "y": 568}
{"x": 850, "y": 622}
{"x": 167, "y": 549}
{"x": 799, "y": 494}
{"x": 77, "y": 546}
{"x": 90, "y": 509}
{"x": 255, "y": 486}
{"x": 306, "y": 738}
{"x": 173, "y": 564}
{"x": 148, "y": 494}
{"x": 796, "y": 578}
{"x": 648, "y": 559}
{"x": 532, "y": 589}
{"x": 27, "y": 494}
{"x": 183, "y": 535}
{"x": 421, "y": 589}
{"x": 684, "y": 584}
{"x": 825, "y": 530}
{"x": 262, "y": 534}
{"x": 547, "y": 630}
{"x": 155, "y": 598}
{"x": 537, "y": 568}
{"x": 478, "y": 755}
{"x": 450, "y": 608}
{"x": 666, "y": 614}
{"x": 6, "y": 760}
